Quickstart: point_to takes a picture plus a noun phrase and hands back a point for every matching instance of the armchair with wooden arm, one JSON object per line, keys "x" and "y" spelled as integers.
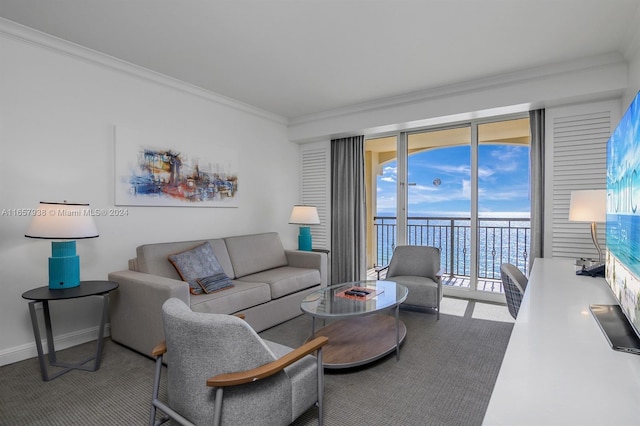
{"x": 221, "y": 372}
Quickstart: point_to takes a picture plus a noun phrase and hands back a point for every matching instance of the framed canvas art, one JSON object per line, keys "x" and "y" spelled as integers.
{"x": 163, "y": 171}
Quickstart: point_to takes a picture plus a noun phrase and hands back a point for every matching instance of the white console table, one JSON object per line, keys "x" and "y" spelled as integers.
{"x": 559, "y": 368}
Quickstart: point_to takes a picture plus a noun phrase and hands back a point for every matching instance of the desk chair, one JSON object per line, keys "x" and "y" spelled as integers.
{"x": 514, "y": 283}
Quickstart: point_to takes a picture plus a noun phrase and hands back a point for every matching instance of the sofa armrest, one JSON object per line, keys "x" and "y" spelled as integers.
{"x": 136, "y": 308}
{"x": 309, "y": 259}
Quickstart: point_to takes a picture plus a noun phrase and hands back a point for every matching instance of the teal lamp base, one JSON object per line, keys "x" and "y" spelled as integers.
{"x": 64, "y": 265}
{"x": 304, "y": 238}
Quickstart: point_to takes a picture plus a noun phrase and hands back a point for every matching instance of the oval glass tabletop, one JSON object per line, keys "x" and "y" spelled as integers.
{"x": 354, "y": 298}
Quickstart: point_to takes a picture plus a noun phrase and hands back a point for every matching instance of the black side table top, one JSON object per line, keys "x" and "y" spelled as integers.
{"x": 86, "y": 288}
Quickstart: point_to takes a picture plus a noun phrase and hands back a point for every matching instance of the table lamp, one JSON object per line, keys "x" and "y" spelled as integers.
{"x": 589, "y": 206}
{"x": 304, "y": 215}
{"x": 67, "y": 222}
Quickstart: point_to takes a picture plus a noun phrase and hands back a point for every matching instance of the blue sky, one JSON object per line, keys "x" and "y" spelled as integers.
{"x": 443, "y": 182}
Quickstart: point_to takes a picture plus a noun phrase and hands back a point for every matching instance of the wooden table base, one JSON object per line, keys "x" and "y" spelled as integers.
{"x": 360, "y": 340}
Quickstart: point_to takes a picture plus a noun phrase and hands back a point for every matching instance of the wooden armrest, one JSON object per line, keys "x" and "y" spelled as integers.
{"x": 159, "y": 349}
{"x": 239, "y": 315}
{"x": 241, "y": 377}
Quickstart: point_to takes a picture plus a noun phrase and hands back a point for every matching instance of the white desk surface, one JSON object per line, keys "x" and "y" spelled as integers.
{"x": 559, "y": 368}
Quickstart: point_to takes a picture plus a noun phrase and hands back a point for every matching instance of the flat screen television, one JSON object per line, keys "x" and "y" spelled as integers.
{"x": 621, "y": 322}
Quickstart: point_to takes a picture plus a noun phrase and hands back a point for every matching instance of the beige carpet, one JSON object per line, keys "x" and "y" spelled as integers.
{"x": 445, "y": 375}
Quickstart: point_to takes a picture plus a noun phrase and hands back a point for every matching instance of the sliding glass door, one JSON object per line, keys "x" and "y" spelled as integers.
{"x": 381, "y": 177}
{"x": 439, "y": 195}
{"x": 464, "y": 189}
{"x": 504, "y": 202}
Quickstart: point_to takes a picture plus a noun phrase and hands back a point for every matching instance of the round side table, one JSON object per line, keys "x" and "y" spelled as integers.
{"x": 44, "y": 295}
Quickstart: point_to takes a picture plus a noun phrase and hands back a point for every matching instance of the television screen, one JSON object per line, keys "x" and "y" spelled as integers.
{"x": 622, "y": 254}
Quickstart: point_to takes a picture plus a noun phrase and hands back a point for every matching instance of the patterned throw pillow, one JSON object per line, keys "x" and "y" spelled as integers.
{"x": 198, "y": 263}
{"x": 215, "y": 282}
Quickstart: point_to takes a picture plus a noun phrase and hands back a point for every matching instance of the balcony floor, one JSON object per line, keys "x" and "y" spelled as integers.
{"x": 489, "y": 285}
{"x": 493, "y": 286}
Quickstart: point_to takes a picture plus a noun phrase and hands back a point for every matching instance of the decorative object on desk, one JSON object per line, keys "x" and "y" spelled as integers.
{"x": 67, "y": 222}
{"x": 304, "y": 215}
{"x": 589, "y": 267}
{"x": 595, "y": 269}
{"x": 589, "y": 206}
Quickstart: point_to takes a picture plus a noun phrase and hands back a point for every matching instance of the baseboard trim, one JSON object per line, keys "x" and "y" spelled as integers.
{"x": 64, "y": 341}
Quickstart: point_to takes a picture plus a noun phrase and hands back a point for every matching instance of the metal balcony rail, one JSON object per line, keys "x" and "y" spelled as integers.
{"x": 500, "y": 240}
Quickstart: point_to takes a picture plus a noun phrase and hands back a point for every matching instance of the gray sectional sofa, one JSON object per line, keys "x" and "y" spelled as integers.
{"x": 269, "y": 284}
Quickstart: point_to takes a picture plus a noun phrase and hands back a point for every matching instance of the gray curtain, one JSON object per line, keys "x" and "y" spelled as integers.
{"x": 536, "y": 121}
{"x": 348, "y": 210}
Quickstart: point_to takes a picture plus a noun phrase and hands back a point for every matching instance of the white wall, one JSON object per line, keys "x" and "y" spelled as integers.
{"x": 634, "y": 78}
{"x": 589, "y": 79}
{"x": 57, "y": 117}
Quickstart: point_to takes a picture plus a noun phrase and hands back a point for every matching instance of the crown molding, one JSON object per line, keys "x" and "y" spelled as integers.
{"x": 13, "y": 30}
{"x": 501, "y": 80}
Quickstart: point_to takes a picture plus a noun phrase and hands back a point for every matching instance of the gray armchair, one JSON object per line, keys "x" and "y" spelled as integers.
{"x": 418, "y": 268}
{"x": 219, "y": 371}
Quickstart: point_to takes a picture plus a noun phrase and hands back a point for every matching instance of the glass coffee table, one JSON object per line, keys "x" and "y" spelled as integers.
{"x": 360, "y": 335}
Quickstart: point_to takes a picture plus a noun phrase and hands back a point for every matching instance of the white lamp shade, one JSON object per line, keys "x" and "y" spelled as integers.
{"x": 304, "y": 215}
{"x": 62, "y": 221}
{"x": 588, "y": 205}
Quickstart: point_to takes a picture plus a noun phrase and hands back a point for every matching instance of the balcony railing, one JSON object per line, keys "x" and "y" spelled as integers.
{"x": 500, "y": 240}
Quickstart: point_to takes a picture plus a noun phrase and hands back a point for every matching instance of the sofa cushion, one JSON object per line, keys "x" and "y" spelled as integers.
{"x": 196, "y": 263}
{"x": 242, "y": 295}
{"x": 286, "y": 279}
{"x": 152, "y": 258}
{"x": 255, "y": 253}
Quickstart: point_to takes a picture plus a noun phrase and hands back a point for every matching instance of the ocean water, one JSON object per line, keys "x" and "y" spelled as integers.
{"x": 623, "y": 239}
{"x": 500, "y": 241}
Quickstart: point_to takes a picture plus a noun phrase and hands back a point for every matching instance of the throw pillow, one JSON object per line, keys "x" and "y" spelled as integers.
{"x": 215, "y": 282}
{"x": 195, "y": 263}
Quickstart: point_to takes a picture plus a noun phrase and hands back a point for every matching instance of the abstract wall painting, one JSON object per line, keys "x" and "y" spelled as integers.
{"x": 158, "y": 171}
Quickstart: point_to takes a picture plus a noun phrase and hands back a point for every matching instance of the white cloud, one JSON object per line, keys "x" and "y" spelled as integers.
{"x": 466, "y": 189}
{"x": 452, "y": 169}
{"x": 389, "y": 174}
{"x": 485, "y": 172}
{"x": 420, "y": 194}
{"x": 512, "y": 192}
{"x": 386, "y": 204}
{"x": 506, "y": 157}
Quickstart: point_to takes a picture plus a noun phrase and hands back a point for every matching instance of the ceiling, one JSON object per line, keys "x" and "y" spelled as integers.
{"x": 294, "y": 58}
